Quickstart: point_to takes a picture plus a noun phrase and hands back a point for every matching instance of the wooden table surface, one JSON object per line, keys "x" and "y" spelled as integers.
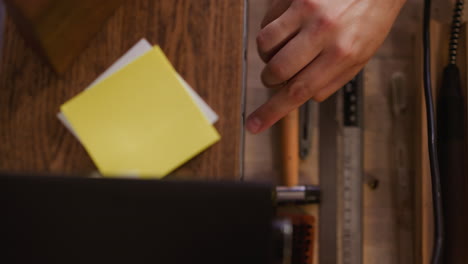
{"x": 203, "y": 39}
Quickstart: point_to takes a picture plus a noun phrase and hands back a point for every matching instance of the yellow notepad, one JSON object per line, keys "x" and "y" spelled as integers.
{"x": 140, "y": 121}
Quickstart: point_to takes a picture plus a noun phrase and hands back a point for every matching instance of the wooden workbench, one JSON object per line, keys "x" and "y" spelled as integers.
{"x": 203, "y": 39}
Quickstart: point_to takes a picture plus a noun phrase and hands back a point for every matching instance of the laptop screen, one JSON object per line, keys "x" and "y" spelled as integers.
{"x": 83, "y": 220}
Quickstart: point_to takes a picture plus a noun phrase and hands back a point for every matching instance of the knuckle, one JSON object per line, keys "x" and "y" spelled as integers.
{"x": 344, "y": 51}
{"x": 324, "y": 23}
{"x": 298, "y": 92}
{"x": 308, "y": 6}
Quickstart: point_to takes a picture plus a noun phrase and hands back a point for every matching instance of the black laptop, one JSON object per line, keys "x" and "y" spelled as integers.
{"x": 83, "y": 220}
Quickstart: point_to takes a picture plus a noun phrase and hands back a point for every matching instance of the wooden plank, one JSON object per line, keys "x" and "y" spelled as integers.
{"x": 60, "y": 30}
{"x": 389, "y": 162}
{"x": 328, "y": 128}
{"x": 202, "y": 38}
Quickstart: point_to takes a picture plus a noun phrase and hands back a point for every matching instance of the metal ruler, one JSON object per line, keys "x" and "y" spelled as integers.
{"x": 350, "y": 173}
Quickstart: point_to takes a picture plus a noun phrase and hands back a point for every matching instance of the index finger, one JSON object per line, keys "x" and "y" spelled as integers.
{"x": 301, "y": 88}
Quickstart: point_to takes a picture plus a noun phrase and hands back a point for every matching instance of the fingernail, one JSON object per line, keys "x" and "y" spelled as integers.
{"x": 254, "y": 124}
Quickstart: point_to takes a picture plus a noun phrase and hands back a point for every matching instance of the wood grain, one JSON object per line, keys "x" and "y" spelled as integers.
{"x": 202, "y": 38}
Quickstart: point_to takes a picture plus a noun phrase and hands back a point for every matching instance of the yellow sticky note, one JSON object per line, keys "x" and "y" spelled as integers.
{"x": 140, "y": 121}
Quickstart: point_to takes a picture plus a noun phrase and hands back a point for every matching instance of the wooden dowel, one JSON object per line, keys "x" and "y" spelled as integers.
{"x": 290, "y": 148}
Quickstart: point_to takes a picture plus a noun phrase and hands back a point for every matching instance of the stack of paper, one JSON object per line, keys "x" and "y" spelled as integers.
{"x": 140, "y": 118}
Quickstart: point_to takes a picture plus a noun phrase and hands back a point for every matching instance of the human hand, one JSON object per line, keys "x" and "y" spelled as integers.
{"x": 313, "y": 47}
